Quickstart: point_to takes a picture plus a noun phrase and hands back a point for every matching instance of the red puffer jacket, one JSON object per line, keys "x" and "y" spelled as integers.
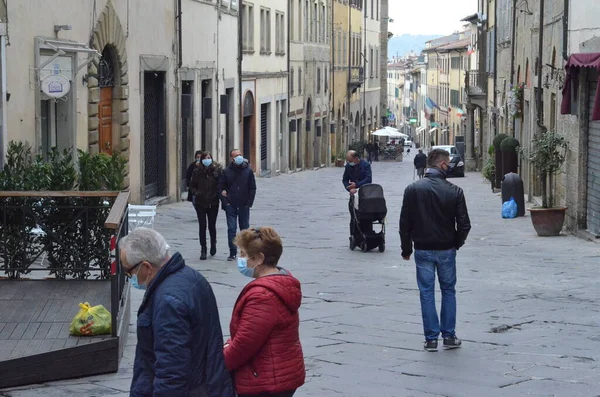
{"x": 264, "y": 351}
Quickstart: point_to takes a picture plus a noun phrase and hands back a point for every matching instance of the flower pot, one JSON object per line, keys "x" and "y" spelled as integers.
{"x": 339, "y": 163}
{"x": 548, "y": 222}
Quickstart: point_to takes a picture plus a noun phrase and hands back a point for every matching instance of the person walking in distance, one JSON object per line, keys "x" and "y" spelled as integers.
{"x": 203, "y": 188}
{"x": 179, "y": 337}
{"x": 420, "y": 163}
{"x": 434, "y": 217}
{"x": 190, "y": 172}
{"x": 238, "y": 189}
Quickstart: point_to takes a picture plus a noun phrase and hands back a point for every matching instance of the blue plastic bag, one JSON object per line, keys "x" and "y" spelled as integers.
{"x": 509, "y": 209}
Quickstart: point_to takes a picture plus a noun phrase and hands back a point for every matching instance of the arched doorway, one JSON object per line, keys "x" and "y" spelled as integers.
{"x": 106, "y": 81}
{"x": 308, "y": 136}
{"x": 249, "y": 129}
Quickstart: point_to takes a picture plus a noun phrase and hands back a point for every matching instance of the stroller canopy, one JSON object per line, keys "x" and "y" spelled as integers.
{"x": 371, "y": 202}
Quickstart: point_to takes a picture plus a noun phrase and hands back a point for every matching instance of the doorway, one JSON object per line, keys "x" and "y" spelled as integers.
{"x": 308, "y": 135}
{"x": 187, "y": 129}
{"x": 249, "y": 130}
{"x": 264, "y": 137}
{"x": 205, "y": 136}
{"x": 593, "y": 166}
{"x": 229, "y": 120}
{"x": 155, "y": 142}
{"x": 106, "y": 82}
{"x": 299, "y": 126}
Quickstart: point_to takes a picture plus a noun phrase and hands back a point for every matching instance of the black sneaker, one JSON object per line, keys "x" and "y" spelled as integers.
{"x": 431, "y": 345}
{"x": 231, "y": 258}
{"x": 452, "y": 342}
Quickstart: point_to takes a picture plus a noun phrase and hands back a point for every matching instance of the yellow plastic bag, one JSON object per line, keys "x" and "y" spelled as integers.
{"x": 91, "y": 321}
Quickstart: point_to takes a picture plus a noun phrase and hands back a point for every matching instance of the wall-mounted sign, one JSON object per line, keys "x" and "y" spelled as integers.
{"x": 413, "y": 121}
{"x": 56, "y": 86}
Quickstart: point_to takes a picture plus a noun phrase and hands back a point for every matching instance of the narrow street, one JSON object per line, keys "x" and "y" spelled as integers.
{"x": 528, "y": 310}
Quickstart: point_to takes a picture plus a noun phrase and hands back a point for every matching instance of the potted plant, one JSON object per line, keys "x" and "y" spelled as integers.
{"x": 547, "y": 155}
{"x": 498, "y": 159}
{"x": 510, "y": 155}
{"x": 489, "y": 169}
{"x": 340, "y": 159}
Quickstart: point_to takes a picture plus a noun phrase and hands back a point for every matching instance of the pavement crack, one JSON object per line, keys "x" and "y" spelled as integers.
{"x": 504, "y": 327}
{"x": 515, "y": 383}
{"x": 413, "y": 375}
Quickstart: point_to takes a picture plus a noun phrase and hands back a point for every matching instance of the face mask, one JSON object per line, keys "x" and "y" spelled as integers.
{"x": 242, "y": 264}
{"x": 207, "y": 162}
{"x": 197, "y": 161}
{"x": 238, "y": 160}
{"x": 135, "y": 284}
{"x": 352, "y": 164}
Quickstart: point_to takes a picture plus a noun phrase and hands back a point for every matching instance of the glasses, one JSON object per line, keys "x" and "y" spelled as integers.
{"x": 128, "y": 271}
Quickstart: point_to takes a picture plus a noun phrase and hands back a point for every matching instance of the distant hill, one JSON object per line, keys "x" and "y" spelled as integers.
{"x": 400, "y": 45}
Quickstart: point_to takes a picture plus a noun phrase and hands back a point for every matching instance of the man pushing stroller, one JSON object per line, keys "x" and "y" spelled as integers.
{"x": 356, "y": 174}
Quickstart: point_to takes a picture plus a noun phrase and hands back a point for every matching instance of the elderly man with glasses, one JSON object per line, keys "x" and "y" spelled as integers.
{"x": 180, "y": 343}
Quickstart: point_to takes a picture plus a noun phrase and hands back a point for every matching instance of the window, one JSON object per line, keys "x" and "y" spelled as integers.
{"x": 306, "y": 20}
{"x": 265, "y": 27}
{"x": 454, "y": 98}
{"x": 339, "y": 48}
{"x": 248, "y": 27}
{"x": 455, "y": 63}
{"x": 373, "y": 6}
{"x": 371, "y": 63}
{"x": 323, "y": 24}
{"x": 300, "y": 81}
{"x": 280, "y": 41}
{"x": 292, "y": 82}
{"x": 299, "y": 37}
{"x": 315, "y": 24}
{"x": 377, "y": 1}
{"x": 326, "y": 85}
{"x": 345, "y": 50}
{"x": 292, "y": 20}
{"x": 318, "y": 80}
{"x": 377, "y": 63}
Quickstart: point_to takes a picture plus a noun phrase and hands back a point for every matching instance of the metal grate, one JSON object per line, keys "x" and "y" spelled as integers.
{"x": 154, "y": 133}
{"x": 593, "y": 175}
{"x": 263, "y": 136}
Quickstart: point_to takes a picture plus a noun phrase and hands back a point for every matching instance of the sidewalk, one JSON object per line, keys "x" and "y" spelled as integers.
{"x": 528, "y": 306}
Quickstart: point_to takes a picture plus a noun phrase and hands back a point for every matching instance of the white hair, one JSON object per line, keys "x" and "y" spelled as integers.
{"x": 145, "y": 244}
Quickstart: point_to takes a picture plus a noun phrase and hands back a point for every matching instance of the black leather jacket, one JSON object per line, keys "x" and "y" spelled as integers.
{"x": 434, "y": 215}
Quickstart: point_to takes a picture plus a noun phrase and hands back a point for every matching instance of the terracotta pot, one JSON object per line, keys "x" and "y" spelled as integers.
{"x": 548, "y": 222}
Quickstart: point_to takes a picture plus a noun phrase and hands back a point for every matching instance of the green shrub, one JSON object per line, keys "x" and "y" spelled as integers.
{"x": 510, "y": 145}
{"x": 498, "y": 140}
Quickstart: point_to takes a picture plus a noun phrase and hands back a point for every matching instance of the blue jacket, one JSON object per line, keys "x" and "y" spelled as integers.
{"x": 360, "y": 174}
{"x": 239, "y": 183}
{"x": 180, "y": 344}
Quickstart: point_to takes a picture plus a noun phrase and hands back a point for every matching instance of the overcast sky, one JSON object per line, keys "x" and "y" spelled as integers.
{"x": 429, "y": 17}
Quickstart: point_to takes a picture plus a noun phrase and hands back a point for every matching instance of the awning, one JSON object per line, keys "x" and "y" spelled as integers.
{"x": 431, "y": 131}
{"x": 420, "y": 129}
{"x": 62, "y": 47}
{"x": 575, "y": 62}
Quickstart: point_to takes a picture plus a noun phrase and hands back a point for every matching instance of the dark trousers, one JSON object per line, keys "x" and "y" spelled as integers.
{"x": 236, "y": 216}
{"x": 284, "y": 394}
{"x": 207, "y": 217}
{"x": 365, "y": 226}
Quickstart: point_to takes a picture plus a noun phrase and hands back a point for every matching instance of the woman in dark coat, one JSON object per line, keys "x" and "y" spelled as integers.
{"x": 190, "y": 171}
{"x": 203, "y": 188}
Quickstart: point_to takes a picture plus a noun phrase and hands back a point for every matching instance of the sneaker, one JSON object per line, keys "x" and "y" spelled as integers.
{"x": 431, "y": 345}
{"x": 452, "y": 342}
{"x": 231, "y": 258}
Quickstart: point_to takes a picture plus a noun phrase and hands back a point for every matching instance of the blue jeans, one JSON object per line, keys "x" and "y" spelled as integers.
{"x": 445, "y": 264}
{"x": 236, "y": 216}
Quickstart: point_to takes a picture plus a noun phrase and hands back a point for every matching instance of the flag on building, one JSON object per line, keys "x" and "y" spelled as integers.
{"x": 470, "y": 50}
{"x": 460, "y": 112}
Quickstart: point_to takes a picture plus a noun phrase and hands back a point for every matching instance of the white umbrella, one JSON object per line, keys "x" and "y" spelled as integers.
{"x": 381, "y": 132}
{"x": 394, "y": 133}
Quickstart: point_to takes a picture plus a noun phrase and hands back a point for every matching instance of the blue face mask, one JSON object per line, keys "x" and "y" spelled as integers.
{"x": 242, "y": 264}
{"x": 135, "y": 284}
{"x": 207, "y": 162}
{"x": 238, "y": 160}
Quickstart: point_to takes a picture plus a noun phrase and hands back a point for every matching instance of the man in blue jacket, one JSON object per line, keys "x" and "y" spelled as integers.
{"x": 356, "y": 174}
{"x": 179, "y": 351}
{"x": 238, "y": 189}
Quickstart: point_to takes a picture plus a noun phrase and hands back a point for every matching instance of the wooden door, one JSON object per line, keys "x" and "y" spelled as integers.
{"x": 105, "y": 120}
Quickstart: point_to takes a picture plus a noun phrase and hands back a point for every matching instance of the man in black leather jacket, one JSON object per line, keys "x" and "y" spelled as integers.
{"x": 434, "y": 217}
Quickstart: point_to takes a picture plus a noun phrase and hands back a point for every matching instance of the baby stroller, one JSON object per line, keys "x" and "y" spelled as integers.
{"x": 370, "y": 210}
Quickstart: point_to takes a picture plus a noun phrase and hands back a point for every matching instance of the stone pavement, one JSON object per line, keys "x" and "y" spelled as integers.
{"x": 361, "y": 323}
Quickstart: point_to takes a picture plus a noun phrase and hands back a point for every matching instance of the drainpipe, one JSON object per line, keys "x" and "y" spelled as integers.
{"x": 332, "y": 80}
{"x": 349, "y": 94}
{"x": 178, "y": 121}
{"x": 566, "y": 31}
{"x": 179, "y": 35}
{"x": 240, "y": 58}
{"x": 512, "y": 60}
{"x": 289, "y": 100}
{"x": 539, "y": 95}
{"x": 218, "y": 97}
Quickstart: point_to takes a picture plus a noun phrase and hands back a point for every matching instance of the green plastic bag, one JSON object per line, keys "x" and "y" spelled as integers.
{"x": 91, "y": 321}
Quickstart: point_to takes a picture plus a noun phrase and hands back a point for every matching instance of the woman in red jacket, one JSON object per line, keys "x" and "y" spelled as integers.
{"x": 264, "y": 352}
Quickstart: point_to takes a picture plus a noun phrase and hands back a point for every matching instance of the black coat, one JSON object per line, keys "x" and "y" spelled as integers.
{"x": 420, "y": 160}
{"x": 188, "y": 178}
{"x": 179, "y": 352}
{"x": 239, "y": 183}
{"x": 434, "y": 215}
{"x": 204, "y": 185}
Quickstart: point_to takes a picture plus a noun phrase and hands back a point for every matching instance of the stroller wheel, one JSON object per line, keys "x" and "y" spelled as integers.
{"x": 364, "y": 247}
{"x": 382, "y": 247}
{"x": 352, "y": 243}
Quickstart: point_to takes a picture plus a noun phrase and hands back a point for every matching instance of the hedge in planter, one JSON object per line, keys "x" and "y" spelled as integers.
{"x": 72, "y": 228}
{"x": 510, "y": 155}
{"x": 498, "y": 159}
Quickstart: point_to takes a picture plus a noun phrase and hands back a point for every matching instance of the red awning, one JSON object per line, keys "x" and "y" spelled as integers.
{"x": 577, "y": 61}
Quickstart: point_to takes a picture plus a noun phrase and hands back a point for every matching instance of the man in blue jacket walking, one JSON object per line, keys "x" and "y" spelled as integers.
{"x": 238, "y": 189}
{"x": 179, "y": 351}
{"x": 356, "y": 174}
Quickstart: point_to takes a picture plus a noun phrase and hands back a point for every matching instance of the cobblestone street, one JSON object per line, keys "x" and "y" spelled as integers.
{"x": 528, "y": 306}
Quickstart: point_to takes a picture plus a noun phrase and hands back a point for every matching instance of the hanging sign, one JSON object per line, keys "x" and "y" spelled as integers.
{"x": 55, "y": 86}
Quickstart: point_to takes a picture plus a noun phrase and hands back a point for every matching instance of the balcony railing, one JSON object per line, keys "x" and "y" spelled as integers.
{"x": 476, "y": 82}
{"x": 357, "y": 76}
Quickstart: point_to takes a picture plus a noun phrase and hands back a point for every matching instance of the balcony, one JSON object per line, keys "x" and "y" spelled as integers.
{"x": 476, "y": 83}
{"x": 356, "y": 78}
